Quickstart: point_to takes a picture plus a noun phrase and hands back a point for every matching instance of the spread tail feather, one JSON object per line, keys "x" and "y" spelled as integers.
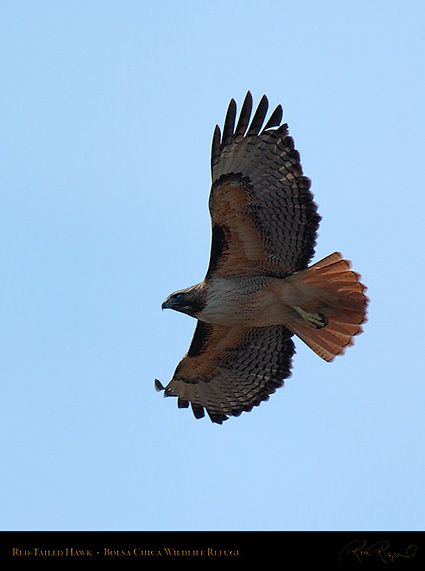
{"x": 336, "y": 292}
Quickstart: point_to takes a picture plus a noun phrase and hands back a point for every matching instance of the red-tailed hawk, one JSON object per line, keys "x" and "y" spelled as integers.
{"x": 258, "y": 290}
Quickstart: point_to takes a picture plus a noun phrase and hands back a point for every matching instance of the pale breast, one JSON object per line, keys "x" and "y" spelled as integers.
{"x": 247, "y": 301}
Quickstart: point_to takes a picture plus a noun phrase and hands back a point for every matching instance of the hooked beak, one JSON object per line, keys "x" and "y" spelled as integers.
{"x": 166, "y": 305}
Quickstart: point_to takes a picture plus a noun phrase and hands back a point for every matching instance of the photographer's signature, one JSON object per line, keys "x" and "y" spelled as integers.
{"x": 361, "y": 551}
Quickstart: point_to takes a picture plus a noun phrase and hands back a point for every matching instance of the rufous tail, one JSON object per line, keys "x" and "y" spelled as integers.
{"x": 337, "y": 299}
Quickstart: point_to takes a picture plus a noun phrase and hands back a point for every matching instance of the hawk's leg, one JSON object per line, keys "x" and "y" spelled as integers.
{"x": 315, "y": 320}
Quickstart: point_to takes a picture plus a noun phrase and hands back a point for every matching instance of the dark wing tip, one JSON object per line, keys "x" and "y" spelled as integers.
{"x": 159, "y": 386}
{"x": 216, "y": 145}
{"x": 275, "y": 118}
{"x": 198, "y": 410}
{"x": 244, "y": 116}
{"x": 217, "y": 418}
{"x": 229, "y": 123}
{"x": 243, "y": 127}
{"x": 259, "y": 116}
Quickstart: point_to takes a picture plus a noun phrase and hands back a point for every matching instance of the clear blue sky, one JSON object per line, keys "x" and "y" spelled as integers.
{"x": 107, "y": 113}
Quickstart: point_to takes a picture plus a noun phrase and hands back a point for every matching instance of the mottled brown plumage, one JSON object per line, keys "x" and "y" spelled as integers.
{"x": 258, "y": 290}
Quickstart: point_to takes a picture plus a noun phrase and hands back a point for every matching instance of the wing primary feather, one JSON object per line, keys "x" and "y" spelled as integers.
{"x": 159, "y": 386}
{"x": 259, "y": 116}
{"x": 215, "y": 147}
{"x": 275, "y": 118}
{"x": 229, "y": 123}
{"x": 217, "y": 417}
{"x": 244, "y": 116}
{"x": 198, "y": 410}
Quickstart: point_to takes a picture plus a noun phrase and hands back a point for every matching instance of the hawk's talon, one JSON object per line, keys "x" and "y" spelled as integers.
{"x": 315, "y": 320}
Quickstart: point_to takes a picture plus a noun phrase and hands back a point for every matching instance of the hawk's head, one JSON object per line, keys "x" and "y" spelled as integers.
{"x": 190, "y": 300}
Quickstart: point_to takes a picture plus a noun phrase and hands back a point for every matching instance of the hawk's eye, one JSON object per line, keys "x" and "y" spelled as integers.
{"x": 178, "y": 296}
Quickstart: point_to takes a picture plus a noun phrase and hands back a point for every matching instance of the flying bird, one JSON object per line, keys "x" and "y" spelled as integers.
{"x": 258, "y": 290}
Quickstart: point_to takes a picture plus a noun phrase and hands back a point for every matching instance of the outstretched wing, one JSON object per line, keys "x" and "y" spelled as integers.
{"x": 264, "y": 220}
{"x": 229, "y": 370}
